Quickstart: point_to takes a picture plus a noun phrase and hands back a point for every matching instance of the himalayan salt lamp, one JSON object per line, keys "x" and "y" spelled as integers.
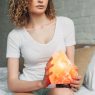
{"x": 63, "y": 71}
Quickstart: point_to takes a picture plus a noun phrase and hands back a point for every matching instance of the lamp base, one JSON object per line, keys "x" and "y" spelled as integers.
{"x": 62, "y": 86}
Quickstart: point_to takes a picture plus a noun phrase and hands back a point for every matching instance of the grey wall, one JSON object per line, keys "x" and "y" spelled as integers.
{"x": 81, "y": 11}
{"x": 5, "y": 27}
{"x": 83, "y": 14}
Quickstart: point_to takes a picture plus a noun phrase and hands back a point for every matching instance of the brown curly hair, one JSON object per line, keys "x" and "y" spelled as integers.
{"x": 19, "y": 13}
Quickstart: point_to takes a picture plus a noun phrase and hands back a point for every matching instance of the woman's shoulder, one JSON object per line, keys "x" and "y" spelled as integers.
{"x": 65, "y": 19}
{"x": 15, "y": 33}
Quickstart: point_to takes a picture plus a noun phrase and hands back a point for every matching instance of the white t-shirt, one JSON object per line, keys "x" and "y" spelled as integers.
{"x": 35, "y": 54}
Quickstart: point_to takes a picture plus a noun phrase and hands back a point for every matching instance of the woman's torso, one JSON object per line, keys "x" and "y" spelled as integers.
{"x": 37, "y": 54}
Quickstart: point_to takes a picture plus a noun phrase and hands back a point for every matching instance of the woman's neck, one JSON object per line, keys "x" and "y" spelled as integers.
{"x": 38, "y": 20}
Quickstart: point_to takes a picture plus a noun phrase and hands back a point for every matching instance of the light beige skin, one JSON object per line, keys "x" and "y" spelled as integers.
{"x": 21, "y": 87}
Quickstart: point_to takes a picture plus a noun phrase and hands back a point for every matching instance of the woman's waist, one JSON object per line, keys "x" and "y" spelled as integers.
{"x": 34, "y": 65}
{"x": 32, "y": 74}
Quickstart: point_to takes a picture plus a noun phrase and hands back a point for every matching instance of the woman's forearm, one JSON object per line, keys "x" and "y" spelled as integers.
{"x": 25, "y": 86}
{"x": 70, "y": 52}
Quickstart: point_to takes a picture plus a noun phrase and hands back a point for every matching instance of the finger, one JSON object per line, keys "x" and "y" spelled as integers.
{"x": 50, "y": 59}
{"x": 48, "y": 64}
{"x": 48, "y": 73}
{"x": 78, "y": 78}
{"x": 48, "y": 67}
{"x": 74, "y": 89}
{"x": 76, "y": 82}
{"x": 75, "y": 86}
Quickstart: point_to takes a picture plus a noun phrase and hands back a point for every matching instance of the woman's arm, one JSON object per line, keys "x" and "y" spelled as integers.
{"x": 70, "y": 52}
{"x": 17, "y": 85}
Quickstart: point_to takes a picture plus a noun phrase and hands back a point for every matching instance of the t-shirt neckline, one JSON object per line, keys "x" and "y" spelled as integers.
{"x": 42, "y": 44}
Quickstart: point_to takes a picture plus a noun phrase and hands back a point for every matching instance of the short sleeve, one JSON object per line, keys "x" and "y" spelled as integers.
{"x": 70, "y": 33}
{"x": 13, "y": 45}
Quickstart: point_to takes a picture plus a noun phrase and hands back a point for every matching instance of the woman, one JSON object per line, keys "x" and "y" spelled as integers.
{"x": 38, "y": 34}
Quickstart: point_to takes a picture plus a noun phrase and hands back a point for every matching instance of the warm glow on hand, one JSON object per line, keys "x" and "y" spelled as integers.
{"x": 63, "y": 71}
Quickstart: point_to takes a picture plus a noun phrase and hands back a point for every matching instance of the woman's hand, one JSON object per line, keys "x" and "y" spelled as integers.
{"x": 46, "y": 80}
{"x": 75, "y": 85}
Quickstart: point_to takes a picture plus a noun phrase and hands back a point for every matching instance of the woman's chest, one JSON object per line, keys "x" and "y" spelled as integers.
{"x": 43, "y": 35}
{"x": 37, "y": 53}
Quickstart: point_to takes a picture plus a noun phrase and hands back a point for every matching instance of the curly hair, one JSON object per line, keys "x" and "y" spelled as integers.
{"x": 19, "y": 13}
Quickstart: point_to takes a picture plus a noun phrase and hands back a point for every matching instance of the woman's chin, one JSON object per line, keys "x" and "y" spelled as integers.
{"x": 39, "y": 12}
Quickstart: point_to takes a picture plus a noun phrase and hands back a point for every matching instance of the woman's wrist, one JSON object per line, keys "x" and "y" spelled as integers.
{"x": 41, "y": 84}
